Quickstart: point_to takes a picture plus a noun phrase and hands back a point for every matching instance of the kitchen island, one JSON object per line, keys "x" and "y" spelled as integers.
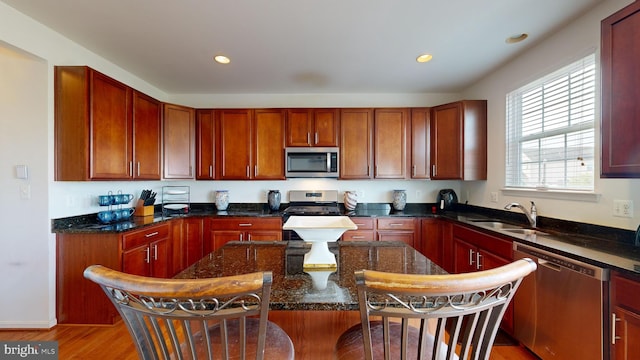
{"x": 313, "y": 313}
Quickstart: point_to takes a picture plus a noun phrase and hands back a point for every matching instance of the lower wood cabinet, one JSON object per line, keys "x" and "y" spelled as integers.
{"x": 431, "y": 244}
{"x": 475, "y": 251}
{"x": 187, "y": 244}
{"x": 145, "y": 252}
{"x": 80, "y": 301}
{"x": 384, "y": 229}
{"x": 222, "y": 230}
{"x": 365, "y": 232}
{"x": 625, "y": 317}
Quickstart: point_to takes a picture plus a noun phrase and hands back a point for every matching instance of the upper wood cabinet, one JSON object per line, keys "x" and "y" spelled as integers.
{"x": 356, "y": 143}
{"x": 390, "y": 143}
{"x": 147, "y": 135}
{"x": 420, "y": 143}
{"x": 205, "y": 144}
{"x": 312, "y": 127}
{"x": 459, "y": 141}
{"x": 620, "y": 50}
{"x": 268, "y": 144}
{"x": 102, "y": 127}
{"x": 179, "y": 142}
{"x": 250, "y": 144}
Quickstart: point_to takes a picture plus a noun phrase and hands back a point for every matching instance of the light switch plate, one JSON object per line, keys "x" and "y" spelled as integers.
{"x": 22, "y": 172}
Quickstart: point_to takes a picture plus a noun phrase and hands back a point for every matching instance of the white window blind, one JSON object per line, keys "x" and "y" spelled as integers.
{"x": 550, "y": 130}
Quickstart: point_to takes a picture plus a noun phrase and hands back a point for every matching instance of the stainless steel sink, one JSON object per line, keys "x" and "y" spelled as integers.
{"x": 526, "y": 231}
{"x": 498, "y": 225}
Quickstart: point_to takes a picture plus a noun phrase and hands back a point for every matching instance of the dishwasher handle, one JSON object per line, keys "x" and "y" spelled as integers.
{"x": 558, "y": 262}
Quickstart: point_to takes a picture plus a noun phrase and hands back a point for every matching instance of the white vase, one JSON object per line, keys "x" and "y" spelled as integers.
{"x": 350, "y": 200}
{"x": 222, "y": 200}
{"x": 399, "y": 199}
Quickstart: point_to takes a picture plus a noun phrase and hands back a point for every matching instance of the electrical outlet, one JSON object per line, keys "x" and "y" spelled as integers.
{"x": 623, "y": 208}
{"x": 494, "y": 196}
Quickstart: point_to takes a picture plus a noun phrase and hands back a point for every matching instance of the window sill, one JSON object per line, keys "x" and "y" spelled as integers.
{"x": 587, "y": 196}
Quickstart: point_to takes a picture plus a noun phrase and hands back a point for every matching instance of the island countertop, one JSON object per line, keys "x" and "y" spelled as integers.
{"x": 294, "y": 288}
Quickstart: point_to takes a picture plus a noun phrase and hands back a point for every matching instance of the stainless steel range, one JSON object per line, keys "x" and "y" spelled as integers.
{"x": 310, "y": 203}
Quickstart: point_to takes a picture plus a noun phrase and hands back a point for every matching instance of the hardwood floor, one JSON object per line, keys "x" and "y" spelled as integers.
{"x": 113, "y": 342}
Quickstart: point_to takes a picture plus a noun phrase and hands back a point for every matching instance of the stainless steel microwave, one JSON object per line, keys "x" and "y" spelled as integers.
{"x": 312, "y": 162}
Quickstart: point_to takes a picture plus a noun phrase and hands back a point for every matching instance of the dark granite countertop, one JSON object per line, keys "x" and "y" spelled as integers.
{"x": 600, "y": 245}
{"x": 293, "y": 288}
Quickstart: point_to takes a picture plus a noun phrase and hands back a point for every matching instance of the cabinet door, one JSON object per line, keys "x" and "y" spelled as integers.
{"x": 627, "y": 333}
{"x": 465, "y": 256}
{"x": 193, "y": 246}
{"x": 179, "y": 139}
{"x": 404, "y": 236}
{"x": 263, "y": 235}
{"x": 136, "y": 261}
{"x": 446, "y": 149}
{"x": 159, "y": 252}
{"x": 147, "y": 137}
{"x": 220, "y": 237}
{"x": 620, "y": 105}
{"x": 268, "y": 145}
{"x": 431, "y": 240}
{"x": 355, "y": 143}
{"x": 299, "y": 125}
{"x": 390, "y": 143}
{"x": 111, "y": 129}
{"x": 326, "y": 127}
{"x": 205, "y": 145}
{"x": 420, "y": 143}
{"x": 234, "y": 144}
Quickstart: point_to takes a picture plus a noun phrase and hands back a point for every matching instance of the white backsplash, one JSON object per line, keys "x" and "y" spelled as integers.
{"x": 81, "y": 197}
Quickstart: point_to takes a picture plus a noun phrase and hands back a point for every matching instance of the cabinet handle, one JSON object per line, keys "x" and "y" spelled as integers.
{"x": 147, "y": 254}
{"x": 614, "y": 319}
{"x": 138, "y": 171}
{"x": 248, "y": 237}
{"x": 478, "y": 260}
{"x": 247, "y": 171}
{"x": 308, "y": 138}
{"x": 433, "y": 170}
{"x": 245, "y": 224}
{"x": 190, "y": 170}
{"x": 155, "y": 252}
{"x": 315, "y": 138}
{"x": 413, "y": 170}
{"x": 130, "y": 168}
{"x": 241, "y": 237}
{"x": 357, "y": 237}
{"x": 471, "y": 257}
{"x": 210, "y": 171}
{"x": 255, "y": 170}
{"x": 151, "y": 234}
{"x": 395, "y": 224}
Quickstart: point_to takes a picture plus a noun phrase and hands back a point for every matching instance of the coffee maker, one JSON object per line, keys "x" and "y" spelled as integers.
{"x": 446, "y": 199}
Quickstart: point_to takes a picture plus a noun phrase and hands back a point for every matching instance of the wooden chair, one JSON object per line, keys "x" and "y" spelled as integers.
{"x": 438, "y": 317}
{"x": 221, "y": 318}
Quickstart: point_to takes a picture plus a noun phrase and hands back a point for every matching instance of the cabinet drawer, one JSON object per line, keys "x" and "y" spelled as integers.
{"x": 625, "y": 291}
{"x": 497, "y": 246}
{"x": 359, "y": 235}
{"x": 363, "y": 223}
{"x": 144, "y": 236}
{"x": 246, "y": 223}
{"x": 396, "y": 224}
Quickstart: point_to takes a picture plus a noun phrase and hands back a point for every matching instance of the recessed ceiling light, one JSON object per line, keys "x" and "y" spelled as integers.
{"x": 221, "y": 59}
{"x": 424, "y": 58}
{"x": 516, "y": 38}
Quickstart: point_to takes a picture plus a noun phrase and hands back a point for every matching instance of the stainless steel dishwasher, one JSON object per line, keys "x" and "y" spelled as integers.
{"x": 558, "y": 310}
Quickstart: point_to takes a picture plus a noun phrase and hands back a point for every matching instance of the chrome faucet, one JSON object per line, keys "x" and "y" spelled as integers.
{"x": 531, "y": 216}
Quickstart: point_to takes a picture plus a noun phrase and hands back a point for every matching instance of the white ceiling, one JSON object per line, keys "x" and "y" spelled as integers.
{"x": 304, "y": 46}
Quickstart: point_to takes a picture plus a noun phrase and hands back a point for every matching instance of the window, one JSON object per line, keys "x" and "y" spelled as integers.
{"x": 550, "y": 130}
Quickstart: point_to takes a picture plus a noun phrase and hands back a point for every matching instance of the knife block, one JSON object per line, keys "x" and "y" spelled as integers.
{"x": 142, "y": 210}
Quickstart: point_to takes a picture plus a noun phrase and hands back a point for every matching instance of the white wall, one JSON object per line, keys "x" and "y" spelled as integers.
{"x": 27, "y": 248}
{"x": 565, "y": 46}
